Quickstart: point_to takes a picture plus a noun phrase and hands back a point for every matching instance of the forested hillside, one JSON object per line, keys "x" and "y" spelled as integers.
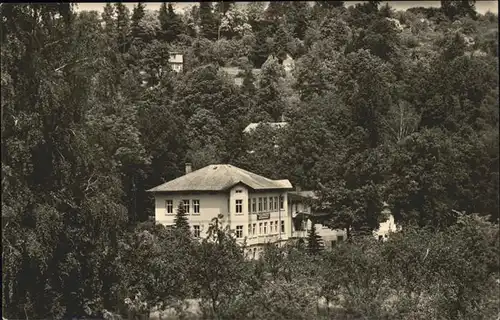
{"x": 382, "y": 106}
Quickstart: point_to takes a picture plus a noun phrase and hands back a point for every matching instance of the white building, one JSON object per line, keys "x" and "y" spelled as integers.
{"x": 258, "y": 210}
{"x": 176, "y": 61}
{"x": 237, "y": 74}
{"x": 255, "y": 207}
{"x": 254, "y": 125}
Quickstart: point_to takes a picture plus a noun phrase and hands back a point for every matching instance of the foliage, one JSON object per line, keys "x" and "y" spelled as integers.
{"x": 453, "y": 9}
{"x": 170, "y": 22}
{"x": 208, "y": 22}
{"x": 268, "y": 97}
{"x": 401, "y": 110}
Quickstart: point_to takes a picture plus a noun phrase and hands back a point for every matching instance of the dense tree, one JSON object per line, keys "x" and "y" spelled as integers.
{"x": 108, "y": 16}
{"x": 455, "y": 9}
{"x": 234, "y": 23}
{"x": 275, "y": 14}
{"x": 93, "y": 116}
{"x": 269, "y": 100}
{"x": 261, "y": 48}
{"x": 122, "y": 26}
{"x": 222, "y": 278}
{"x": 255, "y": 15}
{"x": 138, "y": 14}
{"x": 353, "y": 186}
{"x": 171, "y": 24}
{"x": 437, "y": 180}
{"x": 65, "y": 180}
{"x": 205, "y": 138}
{"x": 316, "y": 71}
{"x": 281, "y": 42}
{"x": 297, "y": 16}
{"x": 364, "y": 83}
{"x": 329, "y": 4}
{"x": 208, "y": 22}
{"x": 381, "y": 38}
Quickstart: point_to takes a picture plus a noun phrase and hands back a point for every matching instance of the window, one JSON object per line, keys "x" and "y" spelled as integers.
{"x": 239, "y": 206}
{"x": 260, "y": 204}
{"x": 265, "y": 227}
{"x": 265, "y": 204}
{"x": 239, "y": 232}
{"x": 196, "y": 206}
{"x": 239, "y": 191}
{"x": 333, "y": 242}
{"x": 169, "y": 205}
{"x": 275, "y": 203}
{"x": 276, "y": 226}
{"x": 282, "y": 226}
{"x": 271, "y": 207}
{"x": 196, "y": 231}
{"x": 281, "y": 202}
{"x": 254, "y": 252}
{"x": 260, "y": 227}
{"x": 249, "y": 229}
{"x": 340, "y": 238}
{"x": 249, "y": 206}
{"x": 253, "y": 228}
{"x": 186, "y": 205}
{"x": 254, "y": 205}
{"x": 380, "y": 238}
{"x": 271, "y": 227}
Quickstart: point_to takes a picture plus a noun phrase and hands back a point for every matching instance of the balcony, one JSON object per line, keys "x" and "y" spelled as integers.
{"x": 265, "y": 238}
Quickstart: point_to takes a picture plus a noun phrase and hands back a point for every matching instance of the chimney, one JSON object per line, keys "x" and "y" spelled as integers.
{"x": 188, "y": 168}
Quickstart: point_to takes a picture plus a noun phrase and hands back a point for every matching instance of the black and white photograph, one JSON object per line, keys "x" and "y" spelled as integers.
{"x": 265, "y": 160}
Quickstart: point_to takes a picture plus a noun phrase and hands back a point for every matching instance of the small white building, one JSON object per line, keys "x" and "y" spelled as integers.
{"x": 276, "y": 125}
{"x": 236, "y": 74}
{"x": 176, "y": 61}
{"x": 288, "y": 64}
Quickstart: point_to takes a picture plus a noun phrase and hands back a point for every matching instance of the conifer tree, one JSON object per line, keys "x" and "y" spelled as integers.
{"x": 269, "y": 97}
{"x": 248, "y": 86}
{"x": 137, "y": 15}
{"x": 181, "y": 221}
{"x": 163, "y": 18}
{"x": 314, "y": 241}
{"x": 174, "y": 24}
{"x": 208, "y": 21}
{"x": 170, "y": 23}
{"x": 108, "y": 16}
{"x": 123, "y": 26}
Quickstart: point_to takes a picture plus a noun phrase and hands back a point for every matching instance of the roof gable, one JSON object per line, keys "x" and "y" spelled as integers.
{"x": 255, "y": 125}
{"x": 220, "y": 177}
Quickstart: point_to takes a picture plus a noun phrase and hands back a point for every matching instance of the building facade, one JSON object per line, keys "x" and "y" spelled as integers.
{"x": 258, "y": 210}
{"x": 176, "y": 61}
{"x": 254, "y": 207}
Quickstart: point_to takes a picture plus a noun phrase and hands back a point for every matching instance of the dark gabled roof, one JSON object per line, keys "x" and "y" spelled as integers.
{"x": 219, "y": 177}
